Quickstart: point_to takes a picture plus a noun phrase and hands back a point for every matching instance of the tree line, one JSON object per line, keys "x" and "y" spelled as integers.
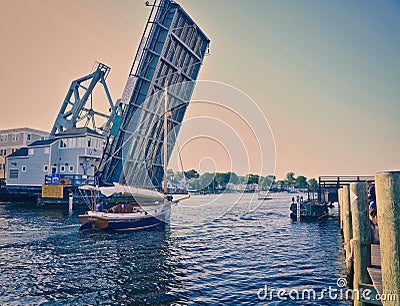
{"x": 299, "y": 181}
{"x": 220, "y": 180}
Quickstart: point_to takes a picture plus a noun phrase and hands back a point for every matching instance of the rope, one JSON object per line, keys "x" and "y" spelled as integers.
{"x": 180, "y": 158}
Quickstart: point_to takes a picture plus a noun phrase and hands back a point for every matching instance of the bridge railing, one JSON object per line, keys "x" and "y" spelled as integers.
{"x": 72, "y": 180}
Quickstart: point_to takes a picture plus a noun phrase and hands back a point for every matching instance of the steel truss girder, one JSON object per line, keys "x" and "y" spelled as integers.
{"x": 77, "y": 98}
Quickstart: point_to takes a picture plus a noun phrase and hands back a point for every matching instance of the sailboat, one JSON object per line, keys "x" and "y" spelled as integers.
{"x": 170, "y": 54}
{"x": 147, "y": 208}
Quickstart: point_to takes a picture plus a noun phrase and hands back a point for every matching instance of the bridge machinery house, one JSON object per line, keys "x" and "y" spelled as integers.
{"x": 71, "y": 156}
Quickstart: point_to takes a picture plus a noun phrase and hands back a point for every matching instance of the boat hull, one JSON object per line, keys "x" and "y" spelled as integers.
{"x": 125, "y": 221}
{"x": 309, "y": 211}
{"x": 308, "y": 218}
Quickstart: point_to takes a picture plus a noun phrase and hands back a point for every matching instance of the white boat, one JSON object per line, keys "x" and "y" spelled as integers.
{"x": 149, "y": 208}
{"x": 262, "y": 196}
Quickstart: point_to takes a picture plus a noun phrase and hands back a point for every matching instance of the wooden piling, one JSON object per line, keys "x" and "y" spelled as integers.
{"x": 387, "y": 186}
{"x": 361, "y": 235}
{"x": 347, "y": 222}
{"x": 340, "y": 202}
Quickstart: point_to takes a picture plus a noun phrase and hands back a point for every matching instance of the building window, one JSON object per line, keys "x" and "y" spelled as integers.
{"x": 3, "y": 138}
{"x": 1, "y": 166}
{"x": 45, "y": 168}
{"x": 62, "y": 169}
{"x": 28, "y": 137}
{"x": 41, "y": 137}
{"x": 89, "y": 142}
{"x": 71, "y": 142}
{"x": 99, "y": 143}
{"x": 31, "y": 151}
{"x": 5, "y": 152}
{"x": 14, "y": 137}
{"x": 13, "y": 174}
{"x": 63, "y": 144}
{"x": 71, "y": 168}
{"x": 46, "y": 150}
{"x": 12, "y": 151}
{"x": 80, "y": 142}
{"x": 23, "y": 168}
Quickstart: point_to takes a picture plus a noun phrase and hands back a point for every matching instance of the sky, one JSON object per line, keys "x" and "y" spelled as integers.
{"x": 325, "y": 74}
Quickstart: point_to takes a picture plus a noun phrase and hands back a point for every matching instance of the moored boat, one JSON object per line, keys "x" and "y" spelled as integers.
{"x": 308, "y": 210}
{"x": 264, "y": 197}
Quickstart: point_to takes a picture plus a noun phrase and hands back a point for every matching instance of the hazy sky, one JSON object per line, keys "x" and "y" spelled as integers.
{"x": 325, "y": 73}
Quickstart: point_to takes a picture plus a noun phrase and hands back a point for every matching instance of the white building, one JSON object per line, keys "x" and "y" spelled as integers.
{"x": 13, "y": 139}
{"x": 71, "y": 156}
{"x": 247, "y": 187}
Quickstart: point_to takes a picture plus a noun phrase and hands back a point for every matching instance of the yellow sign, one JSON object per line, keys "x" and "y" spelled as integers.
{"x": 53, "y": 191}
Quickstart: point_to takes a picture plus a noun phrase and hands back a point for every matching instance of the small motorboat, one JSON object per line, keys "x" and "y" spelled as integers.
{"x": 308, "y": 210}
{"x": 264, "y": 196}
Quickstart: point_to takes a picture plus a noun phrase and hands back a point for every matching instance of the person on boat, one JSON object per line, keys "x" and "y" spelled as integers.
{"x": 100, "y": 206}
{"x": 125, "y": 208}
{"x": 114, "y": 209}
{"x": 373, "y": 218}
{"x": 119, "y": 208}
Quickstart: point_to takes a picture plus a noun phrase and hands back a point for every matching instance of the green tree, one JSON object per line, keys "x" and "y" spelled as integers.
{"x": 241, "y": 179}
{"x": 178, "y": 175}
{"x": 234, "y": 179}
{"x": 290, "y": 178}
{"x": 301, "y": 182}
{"x": 313, "y": 184}
{"x": 170, "y": 173}
{"x": 266, "y": 181}
{"x": 192, "y": 174}
{"x": 207, "y": 181}
{"x": 222, "y": 179}
{"x": 252, "y": 179}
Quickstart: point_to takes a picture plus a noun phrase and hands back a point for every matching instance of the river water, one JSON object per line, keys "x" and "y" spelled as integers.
{"x": 239, "y": 258}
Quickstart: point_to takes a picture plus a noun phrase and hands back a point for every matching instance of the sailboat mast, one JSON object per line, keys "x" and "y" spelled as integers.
{"x": 94, "y": 200}
{"x": 165, "y": 139}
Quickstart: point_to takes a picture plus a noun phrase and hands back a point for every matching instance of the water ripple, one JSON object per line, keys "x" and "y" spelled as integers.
{"x": 45, "y": 261}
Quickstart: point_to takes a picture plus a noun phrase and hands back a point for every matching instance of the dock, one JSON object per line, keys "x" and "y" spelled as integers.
{"x": 375, "y": 268}
{"x": 328, "y": 186}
